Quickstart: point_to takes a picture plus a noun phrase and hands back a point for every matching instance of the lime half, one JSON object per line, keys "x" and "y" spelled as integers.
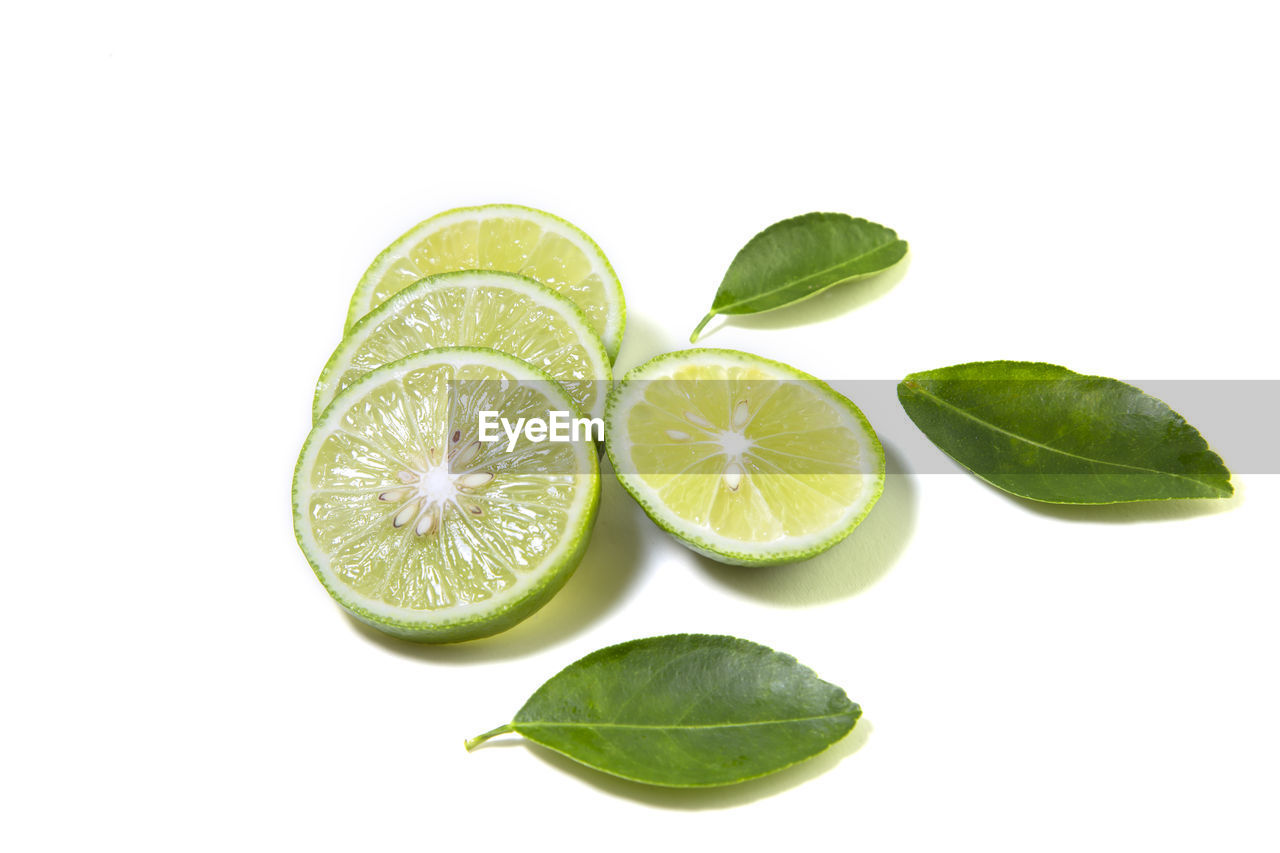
{"x": 507, "y": 238}
{"x": 421, "y": 530}
{"x": 743, "y": 459}
{"x": 501, "y": 311}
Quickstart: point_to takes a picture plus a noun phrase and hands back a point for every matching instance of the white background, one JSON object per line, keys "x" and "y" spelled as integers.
{"x": 190, "y": 192}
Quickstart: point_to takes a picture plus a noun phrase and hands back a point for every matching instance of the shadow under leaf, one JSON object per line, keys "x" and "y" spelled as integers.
{"x": 700, "y": 799}
{"x": 1133, "y": 512}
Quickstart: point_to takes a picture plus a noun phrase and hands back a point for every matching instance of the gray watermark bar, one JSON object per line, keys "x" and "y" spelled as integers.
{"x": 1236, "y": 417}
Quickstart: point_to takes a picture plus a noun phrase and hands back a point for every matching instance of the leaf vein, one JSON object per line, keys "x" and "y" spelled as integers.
{"x": 669, "y": 726}
{"x": 802, "y": 280}
{"x": 918, "y": 389}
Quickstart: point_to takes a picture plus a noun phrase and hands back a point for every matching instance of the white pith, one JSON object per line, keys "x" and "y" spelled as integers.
{"x": 733, "y": 444}
{"x": 437, "y": 479}
{"x": 432, "y": 483}
{"x": 612, "y": 334}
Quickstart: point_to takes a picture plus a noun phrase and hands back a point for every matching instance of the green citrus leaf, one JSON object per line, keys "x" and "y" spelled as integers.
{"x": 800, "y": 257}
{"x": 1049, "y": 434}
{"x": 685, "y": 710}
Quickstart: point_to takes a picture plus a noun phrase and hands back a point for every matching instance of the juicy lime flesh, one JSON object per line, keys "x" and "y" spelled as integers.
{"x": 402, "y": 509}
{"x": 745, "y": 454}
{"x": 498, "y": 316}
{"x": 506, "y": 244}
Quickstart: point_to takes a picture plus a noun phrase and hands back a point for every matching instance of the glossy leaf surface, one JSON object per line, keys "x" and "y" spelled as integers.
{"x": 800, "y": 257}
{"x": 686, "y": 710}
{"x": 1049, "y": 434}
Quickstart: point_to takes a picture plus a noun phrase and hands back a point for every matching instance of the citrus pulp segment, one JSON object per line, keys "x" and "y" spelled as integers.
{"x": 745, "y": 460}
{"x": 501, "y": 311}
{"x": 507, "y": 238}
{"x": 421, "y": 530}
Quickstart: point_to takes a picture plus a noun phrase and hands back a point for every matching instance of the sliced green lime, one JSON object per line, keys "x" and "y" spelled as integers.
{"x": 501, "y": 311}
{"x": 743, "y": 459}
{"x": 507, "y": 238}
{"x": 421, "y": 530}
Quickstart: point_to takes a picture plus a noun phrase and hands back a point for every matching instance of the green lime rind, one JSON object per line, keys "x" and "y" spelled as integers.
{"x": 528, "y": 288}
{"x": 489, "y": 618}
{"x": 611, "y": 334}
{"x": 688, "y": 534}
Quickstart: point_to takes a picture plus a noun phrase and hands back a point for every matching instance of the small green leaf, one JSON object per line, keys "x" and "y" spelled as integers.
{"x": 685, "y": 710}
{"x": 1049, "y": 434}
{"x": 800, "y": 257}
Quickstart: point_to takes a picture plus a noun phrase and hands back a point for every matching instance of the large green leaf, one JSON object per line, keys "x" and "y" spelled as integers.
{"x": 1049, "y": 434}
{"x": 685, "y": 710}
{"x": 797, "y": 258}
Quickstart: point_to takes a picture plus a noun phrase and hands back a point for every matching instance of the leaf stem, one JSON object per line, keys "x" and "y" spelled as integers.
{"x": 472, "y": 743}
{"x": 707, "y": 319}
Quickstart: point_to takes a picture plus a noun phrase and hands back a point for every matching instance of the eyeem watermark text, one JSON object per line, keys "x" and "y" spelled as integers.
{"x": 559, "y": 426}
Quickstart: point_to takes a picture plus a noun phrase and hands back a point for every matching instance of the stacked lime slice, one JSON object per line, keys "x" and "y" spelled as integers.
{"x": 507, "y": 238}
{"x": 743, "y": 459}
{"x": 501, "y": 311}
{"x": 415, "y": 521}
{"x": 420, "y": 529}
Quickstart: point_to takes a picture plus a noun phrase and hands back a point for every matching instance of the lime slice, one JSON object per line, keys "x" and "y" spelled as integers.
{"x": 507, "y": 238}
{"x": 424, "y": 532}
{"x": 743, "y": 459}
{"x": 501, "y": 311}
